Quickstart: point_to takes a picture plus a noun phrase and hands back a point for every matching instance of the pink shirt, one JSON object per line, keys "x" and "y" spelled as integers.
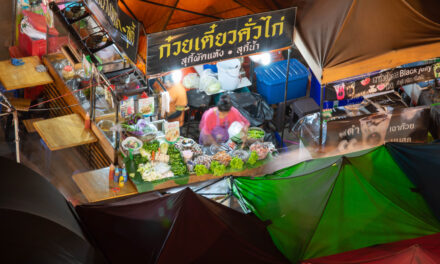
{"x": 209, "y": 119}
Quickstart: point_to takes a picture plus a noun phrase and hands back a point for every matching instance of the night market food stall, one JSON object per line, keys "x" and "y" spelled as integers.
{"x": 97, "y": 79}
{"x": 351, "y": 61}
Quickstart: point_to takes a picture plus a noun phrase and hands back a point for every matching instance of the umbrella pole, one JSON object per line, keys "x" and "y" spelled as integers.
{"x": 321, "y": 118}
{"x": 17, "y": 139}
{"x": 289, "y": 51}
{"x": 15, "y": 118}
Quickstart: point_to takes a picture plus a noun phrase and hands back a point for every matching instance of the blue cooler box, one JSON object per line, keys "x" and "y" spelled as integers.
{"x": 271, "y": 81}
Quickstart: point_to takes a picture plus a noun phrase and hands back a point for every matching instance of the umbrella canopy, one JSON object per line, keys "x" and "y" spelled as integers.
{"x": 424, "y": 250}
{"x": 327, "y": 206}
{"x": 38, "y": 225}
{"x": 345, "y": 38}
{"x": 180, "y": 228}
{"x": 426, "y": 178}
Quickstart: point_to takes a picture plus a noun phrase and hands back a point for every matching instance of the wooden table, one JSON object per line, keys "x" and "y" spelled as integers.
{"x": 95, "y": 184}
{"x": 64, "y": 132}
{"x": 96, "y": 187}
{"x": 23, "y": 76}
{"x": 21, "y": 104}
{"x": 29, "y": 124}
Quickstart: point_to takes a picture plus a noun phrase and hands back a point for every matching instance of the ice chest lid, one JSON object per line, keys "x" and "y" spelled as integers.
{"x": 275, "y": 73}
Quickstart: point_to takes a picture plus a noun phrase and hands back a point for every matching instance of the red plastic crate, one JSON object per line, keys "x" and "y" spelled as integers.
{"x": 32, "y": 47}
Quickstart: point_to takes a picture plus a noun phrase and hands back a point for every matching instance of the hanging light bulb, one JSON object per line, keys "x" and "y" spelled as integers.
{"x": 177, "y": 76}
{"x": 265, "y": 59}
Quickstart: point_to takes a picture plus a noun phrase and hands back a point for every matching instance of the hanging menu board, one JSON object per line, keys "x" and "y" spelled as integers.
{"x": 229, "y": 38}
{"x": 123, "y": 29}
{"x": 381, "y": 81}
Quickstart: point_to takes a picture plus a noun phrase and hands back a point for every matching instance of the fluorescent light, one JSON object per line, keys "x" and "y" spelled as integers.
{"x": 177, "y": 76}
{"x": 264, "y": 58}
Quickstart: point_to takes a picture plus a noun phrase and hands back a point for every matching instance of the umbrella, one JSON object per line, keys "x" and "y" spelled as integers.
{"x": 38, "y": 225}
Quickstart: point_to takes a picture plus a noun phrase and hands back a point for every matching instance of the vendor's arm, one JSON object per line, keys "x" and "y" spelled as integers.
{"x": 237, "y": 116}
{"x": 177, "y": 113}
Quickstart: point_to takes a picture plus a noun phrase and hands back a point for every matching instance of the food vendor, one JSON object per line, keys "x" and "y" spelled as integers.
{"x": 178, "y": 100}
{"x": 216, "y": 121}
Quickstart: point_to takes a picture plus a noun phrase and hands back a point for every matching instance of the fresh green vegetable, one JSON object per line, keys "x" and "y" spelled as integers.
{"x": 172, "y": 150}
{"x": 253, "y": 158}
{"x": 255, "y": 133}
{"x": 151, "y": 146}
{"x": 138, "y": 159}
{"x": 217, "y": 168}
{"x": 201, "y": 169}
{"x": 236, "y": 163}
{"x": 178, "y": 166}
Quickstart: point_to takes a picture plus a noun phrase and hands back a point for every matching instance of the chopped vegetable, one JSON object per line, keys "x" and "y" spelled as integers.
{"x": 151, "y": 146}
{"x": 201, "y": 170}
{"x": 237, "y": 163}
{"x": 253, "y": 158}
{"x": 222, "y": 157}
{"x": 255, "y": 133}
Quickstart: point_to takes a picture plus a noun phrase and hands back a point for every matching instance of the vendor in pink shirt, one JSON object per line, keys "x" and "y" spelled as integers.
{"x": 216, "y": 121}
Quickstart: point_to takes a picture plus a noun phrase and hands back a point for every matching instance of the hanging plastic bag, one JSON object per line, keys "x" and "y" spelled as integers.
{"x": 208, "y": 82}
{"x": 191, "y": 81}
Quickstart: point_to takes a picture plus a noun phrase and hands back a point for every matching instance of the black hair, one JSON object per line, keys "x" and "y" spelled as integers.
{"x": 224, "y": 104}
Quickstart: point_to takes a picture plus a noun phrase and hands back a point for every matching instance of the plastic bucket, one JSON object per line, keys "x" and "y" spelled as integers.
{"x": 229, "y": 74}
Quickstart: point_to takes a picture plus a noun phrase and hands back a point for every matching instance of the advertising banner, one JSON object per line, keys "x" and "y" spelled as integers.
{"x": 220, "y": 40}
{"x": 380, "y": 82}
{"x": 400, "y": 125}
{"x": 123, "y": 29}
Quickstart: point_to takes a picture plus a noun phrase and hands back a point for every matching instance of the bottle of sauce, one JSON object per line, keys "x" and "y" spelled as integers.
{"x": 111, "y": 173}
{"x": 117, "y": 174}
{"x": 121, "y": 181}
{"x": 131, "y": 165}
{"x": 87, "y": 121}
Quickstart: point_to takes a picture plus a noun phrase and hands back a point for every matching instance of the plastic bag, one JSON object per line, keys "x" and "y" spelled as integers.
{"x": 253, "y": 107}
{"x": 197, "y": 98}
{"x": 208, "y": 82}
{"x": 191, "y": 81}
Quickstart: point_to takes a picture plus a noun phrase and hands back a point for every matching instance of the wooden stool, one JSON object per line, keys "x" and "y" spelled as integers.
{"x": 21, "y": 104}
{"x": 29, "y": 124}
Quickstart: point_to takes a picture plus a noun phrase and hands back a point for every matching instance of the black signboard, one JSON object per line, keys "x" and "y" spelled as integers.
{"x": 380, "y": 82}
{"x": 123, "y": 29}
{"x": 400, "y": 125}
{"x": 194, "y": 45}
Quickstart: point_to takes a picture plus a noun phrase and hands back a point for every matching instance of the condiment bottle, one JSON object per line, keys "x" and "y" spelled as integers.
{"x": 111, "y": 172}
{"x": 87, "y": 121}
{"x": 117, "y": 174}
{"x": 121, "y": 181}
{"x": 131, "y": 165}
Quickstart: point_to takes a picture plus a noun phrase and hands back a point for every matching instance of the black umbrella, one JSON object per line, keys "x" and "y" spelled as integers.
{"x": 37, "y": 223}
{"x": 180, "y": 228}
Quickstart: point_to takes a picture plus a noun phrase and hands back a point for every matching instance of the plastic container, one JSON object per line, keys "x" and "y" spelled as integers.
{"x": 229, "y": 74}
{"x": 31, "y": 47}
{"x": 271, "y": 81}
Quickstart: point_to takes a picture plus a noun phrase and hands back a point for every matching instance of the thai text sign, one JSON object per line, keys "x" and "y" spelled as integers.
{"x": 123, "y": 29}
{"x": 188, "y": 46}
{"x": 380, "y": 82}
{"x": 409, "y": 125}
